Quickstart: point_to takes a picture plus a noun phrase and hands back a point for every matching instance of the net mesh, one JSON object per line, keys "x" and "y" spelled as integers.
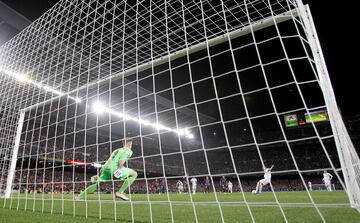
{"x": 213, "y": 90}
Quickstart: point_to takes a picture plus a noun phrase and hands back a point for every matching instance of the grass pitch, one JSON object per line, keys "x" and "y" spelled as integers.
{"x": 296, "y": 206}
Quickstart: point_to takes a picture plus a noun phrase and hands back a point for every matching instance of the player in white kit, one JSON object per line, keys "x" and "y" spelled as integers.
{"x": 180, "y": 186}
{"x": 193, "y": 184}
{"x": 310, "y": 185}
{"x": 327, "y": 177}
{"x": 266, "y": 180}
{"x": 230, "y": 187}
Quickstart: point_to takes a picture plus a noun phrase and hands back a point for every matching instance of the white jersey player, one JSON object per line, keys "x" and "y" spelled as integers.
{"x": 310, "y": 185}
{"x": 230, "y": 187}
{"x": 180, "y": 186}
{"x": 327, "y": 177}
{"x": 266, "y": 180}
{"x": 193, "y": 184}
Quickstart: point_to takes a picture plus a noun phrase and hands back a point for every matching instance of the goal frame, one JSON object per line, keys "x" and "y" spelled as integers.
{"x": 344, "y": 145}
{"x": 345, "y": 148}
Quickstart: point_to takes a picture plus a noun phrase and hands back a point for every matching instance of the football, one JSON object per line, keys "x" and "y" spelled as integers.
{"x": 253, "y": 191}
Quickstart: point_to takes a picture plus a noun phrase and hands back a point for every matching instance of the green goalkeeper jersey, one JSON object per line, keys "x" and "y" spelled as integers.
{"x": 121, "y": 154}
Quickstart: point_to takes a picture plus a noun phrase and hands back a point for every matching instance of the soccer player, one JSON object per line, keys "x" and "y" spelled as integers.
{"x": 114, "y": 167}
{"x": 180, "y": 186}
{"x": 266, "y": 180}
{"x": 230, "y": 186}
{"x": 223, "y": 184}
{"x": 185, "y": 183}
{"x": 207, "y": 185}
{"x": 193, "y": 184}
{"x": 310, "y": 185}
{"x": 327, "y": 180}
{"x": 157, "y": 186}
{"x": 162, "y": 184}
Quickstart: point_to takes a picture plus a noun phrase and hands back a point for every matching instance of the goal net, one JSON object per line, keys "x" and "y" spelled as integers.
{"x": 211, "y": 93}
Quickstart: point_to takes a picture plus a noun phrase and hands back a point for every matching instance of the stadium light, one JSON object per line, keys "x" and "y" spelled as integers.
{"x": 98, "y": 107}
{"x": 24, "y": 78}
{"x": 189, "y": 136}
{"x": 39, "y": 85}
{"x": 161, "y": 127}
{"x": 185, "y": 132}
{"x": 54, "y": 91}
{"x": 180, "y": 131}
{"x": 77, "y": 100}
{"x": 18, "y": 76}
{"x": 145, "y": 122}
{"x": 47, "y": 88}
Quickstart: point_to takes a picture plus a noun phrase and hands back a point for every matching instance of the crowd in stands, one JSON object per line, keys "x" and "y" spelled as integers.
{"x": 246, "y": 160}
{"x": 57, "y": 182}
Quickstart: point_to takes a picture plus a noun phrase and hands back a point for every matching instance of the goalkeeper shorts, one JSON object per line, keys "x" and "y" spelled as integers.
{"x": 108, "y": 174}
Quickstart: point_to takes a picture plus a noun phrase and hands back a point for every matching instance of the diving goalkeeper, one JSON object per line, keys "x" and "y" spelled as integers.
{"x": 114, "y": 167}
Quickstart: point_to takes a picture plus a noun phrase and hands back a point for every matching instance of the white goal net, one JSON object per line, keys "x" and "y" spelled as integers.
{"x": 211, "y": 93}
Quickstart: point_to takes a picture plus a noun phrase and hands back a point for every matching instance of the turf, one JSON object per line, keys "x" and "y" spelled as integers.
{"x": 296, "y": 206}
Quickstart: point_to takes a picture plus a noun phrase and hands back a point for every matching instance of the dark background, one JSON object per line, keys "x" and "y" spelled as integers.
{"x": 335, "y": 23}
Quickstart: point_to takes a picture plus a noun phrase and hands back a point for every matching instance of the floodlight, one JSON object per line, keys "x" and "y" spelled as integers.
{"x": 78, "y": 100}
{"x": 98, "y": 107}
{"x": 17, "y": 76}
{"x": 145, "y": 122}
{"x": 189, "y": 136}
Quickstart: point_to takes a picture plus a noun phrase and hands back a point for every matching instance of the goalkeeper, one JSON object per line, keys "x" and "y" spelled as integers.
{"x": 114, "y": 167}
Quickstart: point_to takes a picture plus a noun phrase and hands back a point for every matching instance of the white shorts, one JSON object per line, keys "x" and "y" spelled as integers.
{"x": 265, "y": 181}
{"x": 328, "y": 183}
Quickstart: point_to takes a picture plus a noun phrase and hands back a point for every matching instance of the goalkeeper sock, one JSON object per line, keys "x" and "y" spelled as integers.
{"x": 89, "y": 190}
{"x": 127, "y": 183}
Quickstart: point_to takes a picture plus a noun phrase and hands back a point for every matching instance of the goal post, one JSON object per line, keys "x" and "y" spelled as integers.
{"x": 345, "y": 147}
{"x": 14, "y": 157}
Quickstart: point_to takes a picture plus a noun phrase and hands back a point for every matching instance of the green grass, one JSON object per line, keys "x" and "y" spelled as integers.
{"x": 296, "y": 206}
